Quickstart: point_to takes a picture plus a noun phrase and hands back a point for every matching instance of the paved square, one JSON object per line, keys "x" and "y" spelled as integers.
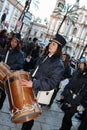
{"x": 49, "y": 120}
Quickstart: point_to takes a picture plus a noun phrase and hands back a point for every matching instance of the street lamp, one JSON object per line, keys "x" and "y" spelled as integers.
{"x": 26, "y": 8}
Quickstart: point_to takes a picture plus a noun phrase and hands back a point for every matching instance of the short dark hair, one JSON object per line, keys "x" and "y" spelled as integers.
{"x": 3, "y": 32}
{"x": 35, "y": 39}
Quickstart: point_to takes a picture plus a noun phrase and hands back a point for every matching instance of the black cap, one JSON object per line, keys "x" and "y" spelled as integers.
{"x": 59, "y": 39}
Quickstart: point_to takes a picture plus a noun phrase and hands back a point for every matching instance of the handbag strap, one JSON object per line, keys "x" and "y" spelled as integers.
{"x": 34, "y": 73}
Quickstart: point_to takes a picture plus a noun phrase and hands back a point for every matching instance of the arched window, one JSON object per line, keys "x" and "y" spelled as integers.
{"x": 80, "y": 17}
{"x": 59, "y": 4}
{"x": 35, "y": 33}
{"x": 74, "y": 31}
{"x": 41, "y": 35}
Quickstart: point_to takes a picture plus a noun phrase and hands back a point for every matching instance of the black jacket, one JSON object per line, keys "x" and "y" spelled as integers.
{"x": 49, "y": 73}
{"x": 77, "y": 86}
{"x": 15, "y": 59}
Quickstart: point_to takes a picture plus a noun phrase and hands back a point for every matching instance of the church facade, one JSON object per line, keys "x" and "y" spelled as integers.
{"x": 76, "y": 35}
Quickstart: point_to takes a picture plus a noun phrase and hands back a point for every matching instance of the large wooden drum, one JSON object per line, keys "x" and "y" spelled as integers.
{"x": 23, "y": 103}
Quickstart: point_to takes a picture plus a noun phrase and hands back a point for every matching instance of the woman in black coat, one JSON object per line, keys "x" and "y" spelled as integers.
{"x": 83, "y": 125}
{"x": 48, "y": 71}
{"x": 66, "y": 61}
{"x": 73, "y": 95}
{"x": 13, "y": 57}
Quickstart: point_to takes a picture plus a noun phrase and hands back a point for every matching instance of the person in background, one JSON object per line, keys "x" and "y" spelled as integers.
{"x": 13, "y": 57}
{"x": 73, "y": 94}
{"x": 3, "y": 17}
{"x": 66, "y": 61}
{"x": 3, "y": 39}
{"x": 31, "y": 46}
{"x": 83, "y": 116}
{"x": 32, "y": 55}
{"x": 48, "y": 71}
{"x": 67, "y": 72}
{"x": 28, "y": 41}
{"x": 9, "y": 37}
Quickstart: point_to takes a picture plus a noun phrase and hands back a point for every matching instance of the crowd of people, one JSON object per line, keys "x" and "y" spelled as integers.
{"x": 47, "y": 68}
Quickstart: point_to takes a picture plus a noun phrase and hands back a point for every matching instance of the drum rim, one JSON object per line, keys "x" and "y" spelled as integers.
{"x": 34, "y": 114}
{"x": 18, "y": 72}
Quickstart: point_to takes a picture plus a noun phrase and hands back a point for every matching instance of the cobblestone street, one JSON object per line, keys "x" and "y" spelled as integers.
{"x": 49, "y": 120}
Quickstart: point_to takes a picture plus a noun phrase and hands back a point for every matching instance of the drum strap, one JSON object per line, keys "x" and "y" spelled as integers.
{"x": 6, "y": 58}
{"x": 34, "y": 73}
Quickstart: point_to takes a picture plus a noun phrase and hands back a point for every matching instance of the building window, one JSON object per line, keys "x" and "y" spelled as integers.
{"x": 74, "y": 31}
{"x": 29, "y": 31}
{"x": 35, "y": 33}
{"x": 60, "y": 5}
{"x": 80, "y": 17}
{"x": 41, "y": 35}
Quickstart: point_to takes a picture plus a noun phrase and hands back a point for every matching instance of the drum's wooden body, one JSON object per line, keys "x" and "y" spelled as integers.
{"x": 2, "y": 85}
{"x": 23, "y": 103}
{"x": 4, "y": 72}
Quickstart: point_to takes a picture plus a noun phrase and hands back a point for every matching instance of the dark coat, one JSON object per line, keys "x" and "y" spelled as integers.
{"x": 77, "y": 86}
{"x": 49, "y": 73}
{"x": 84, "y": 102}
{"x": 33, "y": 51}
{"x": 3, "y": 41}
{"x": 29, "y": 65}
{"x": 15, "y": 59}
{"x": 67, "y": 72}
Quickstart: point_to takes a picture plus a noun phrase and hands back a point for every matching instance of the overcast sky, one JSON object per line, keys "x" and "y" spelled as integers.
{"x": 46, "y": 7}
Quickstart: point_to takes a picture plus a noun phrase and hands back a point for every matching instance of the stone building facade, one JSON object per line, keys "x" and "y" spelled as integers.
{"x": 13, "y": 10}
{"x": 38, "y": 30}
{"x": 76, "y": 36}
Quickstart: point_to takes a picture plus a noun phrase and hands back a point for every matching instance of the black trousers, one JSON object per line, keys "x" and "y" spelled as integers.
{"x": 67, "y": 121}
{"x": 2, "y": 98}
{"x": 27, "y": 125}
{"x": 83, "y": 125}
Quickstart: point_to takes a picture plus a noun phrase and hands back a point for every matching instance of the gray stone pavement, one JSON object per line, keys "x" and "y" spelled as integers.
{"x": 49, "y": 120}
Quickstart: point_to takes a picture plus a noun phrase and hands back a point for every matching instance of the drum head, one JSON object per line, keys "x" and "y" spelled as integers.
{"x": 27, "y": 115}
